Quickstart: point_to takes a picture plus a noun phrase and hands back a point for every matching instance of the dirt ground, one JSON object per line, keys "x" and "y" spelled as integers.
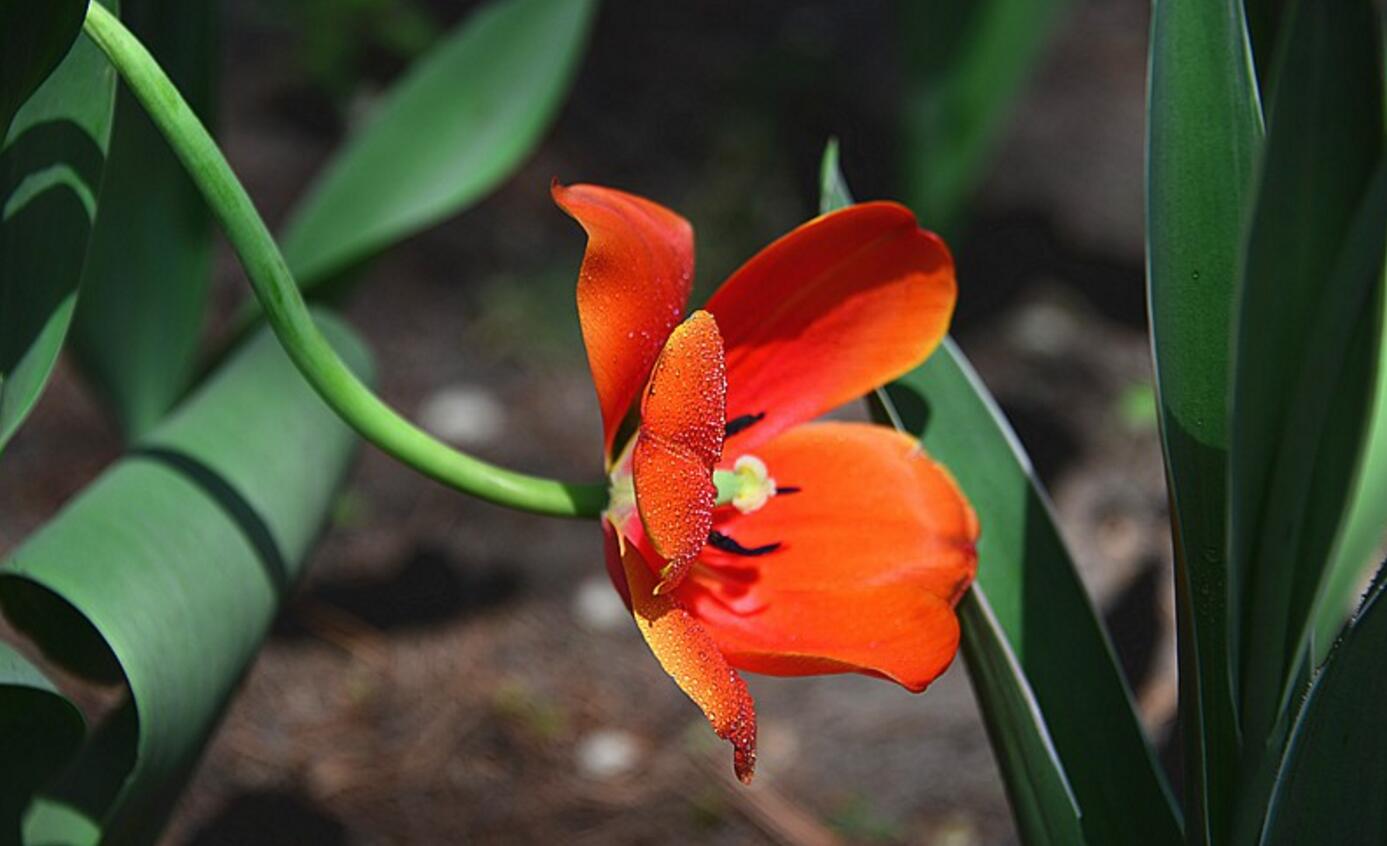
{"x": 452, "y": 672}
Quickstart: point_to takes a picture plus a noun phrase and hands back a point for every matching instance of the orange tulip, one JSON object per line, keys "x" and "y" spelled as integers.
{"x": 741, "y": 535}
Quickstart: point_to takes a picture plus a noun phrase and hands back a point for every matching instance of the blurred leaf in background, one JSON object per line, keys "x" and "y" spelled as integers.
{"x": 167, "y": 571}
{"x": 339, "y": 38}
{"x": 146, "y": 283}
{"x": 456, "y": 126}
{"x": 965, "y": 65}
{"x": 50, "y": 178}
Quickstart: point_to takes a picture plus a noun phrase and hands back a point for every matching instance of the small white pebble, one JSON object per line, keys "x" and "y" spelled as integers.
{"x": 467, "y": 415}
{"x": 607, "y": 753}
{"x": 597, "y": 606}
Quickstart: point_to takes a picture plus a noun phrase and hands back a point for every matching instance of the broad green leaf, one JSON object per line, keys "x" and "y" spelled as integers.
{"x": 1334, "y": 775}
{"x": 1058, "y": 710}
{"x": 34, "y": 37}
{"x": 1042, "y": 801}
{"x": 40, "y": 732}
{"x": 1040, "y": 605}
{"x": 144, "y": 291}
{"x": 461, "y": 121}
{"x": 50, "y": 177}
{"x": 966, "y": 63}
{"x": 167, "y": 571}
{"x": 1308, "y": 327}
{"x": 1204, "y": 127}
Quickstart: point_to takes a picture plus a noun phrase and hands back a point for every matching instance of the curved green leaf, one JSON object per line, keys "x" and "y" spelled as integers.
{"x": 50, "y": 177}
{"x": 168, "y": 569}
{"x": 34, "y": 37}
{"x": 1057, "y": 708}
{"x": 1334, "y": 775}
{"x": 144, "y": 291}
{"x": 1308, "y": 328}
{"x": 965, "y": 65}
{"x": 453, "y": 129}
{"x": 1204, "y": 126}
{"x": 1042, "y": 801}
{"x": 40, "y": 732}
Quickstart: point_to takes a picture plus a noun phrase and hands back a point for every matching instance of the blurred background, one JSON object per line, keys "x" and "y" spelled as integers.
{"x": 450, "y": 671}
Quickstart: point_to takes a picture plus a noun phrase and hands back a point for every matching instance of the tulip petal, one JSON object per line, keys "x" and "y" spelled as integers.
{"x": 839, "y": 306}
{"x": 875, "y": 548}
{"x": 687, "y": 652}
{"x": 632, "y": 289}
{"x": 679, "y": 443}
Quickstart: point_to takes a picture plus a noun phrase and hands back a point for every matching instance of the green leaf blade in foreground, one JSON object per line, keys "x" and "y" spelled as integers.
{"x": 168, "y": 570}
{"x": 50, "y": 178}
{"x": 965, "y": 65}
{"x": 1334, "y": 775}
{"x": 1204, "y": 131}
{"x": 1307, "y": 339}
{"x": 1043, "y": 803}
{"x": 1032, "y": 587}
{"x": 460, "y": 122}
{"x": 1057, "y": 709}
{"x": 40, "y": 732}
{"x": 144, "y": 291}
{"x": 34, "y": 38}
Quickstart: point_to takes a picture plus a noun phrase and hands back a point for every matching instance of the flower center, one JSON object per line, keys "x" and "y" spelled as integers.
{"x": 747, "y": 486}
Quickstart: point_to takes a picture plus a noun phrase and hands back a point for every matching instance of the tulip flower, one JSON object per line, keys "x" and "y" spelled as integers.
{"x": 742, "y": 535}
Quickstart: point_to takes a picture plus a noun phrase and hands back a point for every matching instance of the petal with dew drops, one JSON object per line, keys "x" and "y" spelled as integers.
{"x": 632, "y": 288}
{"x": 876, "y": 543}
{"x": 679, "y": 443}
{"x": 690, "y": 656}
{"x": 839, "y": 306}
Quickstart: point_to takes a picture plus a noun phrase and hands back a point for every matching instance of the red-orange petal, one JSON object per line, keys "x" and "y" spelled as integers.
{"x": 877, "y": 546}
{"x": 691, "y": 657}
{"x": 680, "y": 442}
{"x": 839, "y": 306}
{"x": 632, "y": 289}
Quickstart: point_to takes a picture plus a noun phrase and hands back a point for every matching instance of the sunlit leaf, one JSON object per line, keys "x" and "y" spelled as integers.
{"x": 1042, "y": 801}
{"x": 1030, "y": 635}
{"x": 462, "y": 120}
{"x": 50, "y": 178}
{"x": 145, "y": 287}
{"x": 1205, "y": 130}
{"x": 167, "y": 572}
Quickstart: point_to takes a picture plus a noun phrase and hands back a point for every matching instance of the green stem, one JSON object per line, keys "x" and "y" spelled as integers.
{"x": 288, "y": 315}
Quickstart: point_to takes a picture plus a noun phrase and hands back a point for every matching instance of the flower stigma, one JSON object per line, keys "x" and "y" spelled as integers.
{"x": 747, "y": 487}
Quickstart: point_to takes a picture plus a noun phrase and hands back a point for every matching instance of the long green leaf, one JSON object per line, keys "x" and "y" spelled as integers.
{"x": 34, "y": 37}
{"x": 1204, "y": 126}
{"x": 1037, "y": 641}
{"x": 1365, "y": 526}
{"x": 50, "y": 177}
{"x": 40, "y": 732}
{"x": 1308, "y": 330}
{"x": 1332, "y": 782}
{"x": 453, "y": 129}
{"x": 965, "y": 65}
{"x": 1044, "y": 806}
{"x": 145, "y": 288}
{"x": 168, "y": 570}
{"x": 1040, "y": 604}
